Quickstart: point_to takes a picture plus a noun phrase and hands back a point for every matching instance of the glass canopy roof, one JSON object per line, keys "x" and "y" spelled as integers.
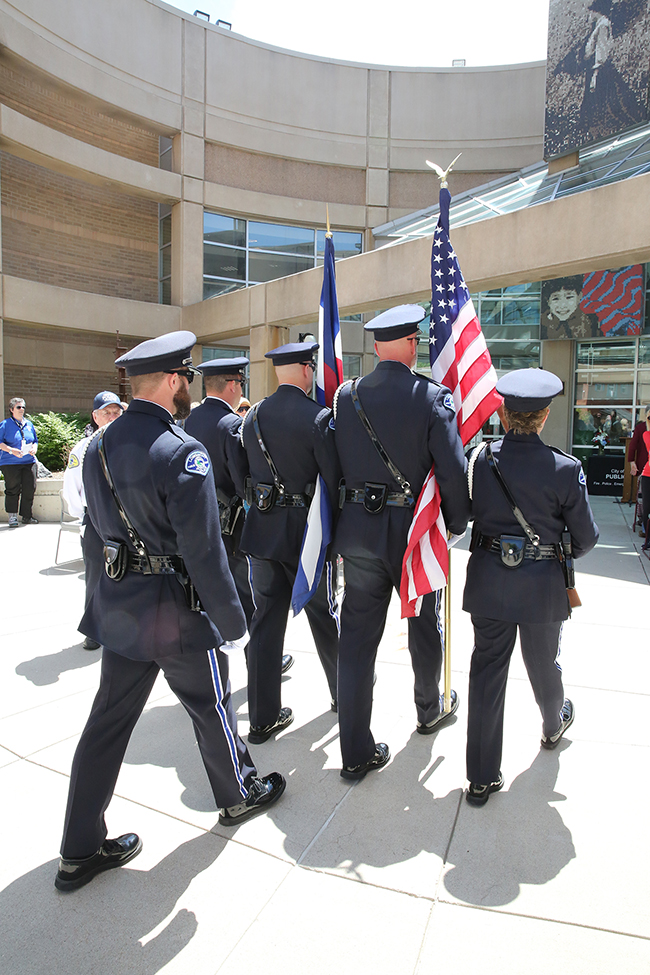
{"x": 621, "y": 158}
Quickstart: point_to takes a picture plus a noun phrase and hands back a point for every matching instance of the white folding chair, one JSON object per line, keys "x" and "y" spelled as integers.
{"x": 67, "y": 523}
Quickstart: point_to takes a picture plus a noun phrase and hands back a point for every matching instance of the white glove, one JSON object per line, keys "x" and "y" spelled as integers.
{"x": 232, "y": 645}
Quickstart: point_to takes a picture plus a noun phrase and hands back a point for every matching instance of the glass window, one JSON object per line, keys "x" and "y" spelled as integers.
{"x": 165, "y": 262}
{"x": 165, "y": 292}
{"x": 351, "y": 366}
{"x": 224, "y": 230}
{"x": 345, "y": 244}
{"x": 594, "y": 386}
{"x": 166, "y": 230}
{"x": 212, "y": 288}
{"x": 224, "y": 262}
{"x": 643, "y": 389}
{"x": 605, "y": 353}
{"x": 276, "y": 237}
{"x": 267, "y": 267}
{"x": 606, "y": 426}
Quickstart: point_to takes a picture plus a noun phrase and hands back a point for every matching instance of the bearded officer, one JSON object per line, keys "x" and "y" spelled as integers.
{"x": 414, "y": 421}
{"x": 299, "y": 441}
{"x": 216, "y": 424}
{"x": 515, "y": 583}
{"x": 152, "y": 502}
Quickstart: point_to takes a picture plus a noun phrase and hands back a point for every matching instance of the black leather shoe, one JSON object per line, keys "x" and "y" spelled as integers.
{"x": 378, "y": 760}
{"x": 334, "y": 706}
{"x": 257, "y": 736}
{"x": 89, "y": 644}
{"x": 263, "y": 792}
{"x": 567, "y": 714}
{"x": 478, "y": 795}
{"x": 287, "y": 662}
{"x": 29, "y": 521}
{"x": 112, "y": 853}
{"x": 433, "y": 726}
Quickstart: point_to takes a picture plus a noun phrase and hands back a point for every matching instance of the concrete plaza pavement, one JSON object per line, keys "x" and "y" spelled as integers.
{"x": 394, "y": 875}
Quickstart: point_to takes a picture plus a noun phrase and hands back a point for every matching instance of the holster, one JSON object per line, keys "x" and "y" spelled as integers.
{"x": 229, "y": 515}
{"x": 116, "y": 560}
{"x": 374, "y": 497}
{"x": 264, "y": 496}
{"x": 512, "y": 550}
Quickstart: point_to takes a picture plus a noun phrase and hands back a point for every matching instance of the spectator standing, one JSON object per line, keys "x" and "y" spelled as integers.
{"x": 18, "y": 446}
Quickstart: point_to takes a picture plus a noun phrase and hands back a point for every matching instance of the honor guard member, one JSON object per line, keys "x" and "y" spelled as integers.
{"x": 216, "y": 424}
{"x": 391, "y": 426}
{"x": 525, "y": 495}
{"x": 166, "y": 602}
{"x": 106, "y": 407}
{"x": 288, "y": 440}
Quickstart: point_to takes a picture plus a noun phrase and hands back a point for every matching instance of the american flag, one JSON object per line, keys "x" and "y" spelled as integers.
{"x": 329, "y": 375}
{"x": 459, "y": 360}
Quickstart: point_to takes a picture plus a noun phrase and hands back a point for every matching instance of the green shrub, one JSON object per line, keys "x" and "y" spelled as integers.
{"x": 57, "y": 434}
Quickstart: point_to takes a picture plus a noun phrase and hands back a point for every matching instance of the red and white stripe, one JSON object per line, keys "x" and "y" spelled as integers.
{"x": 425, "y": 566}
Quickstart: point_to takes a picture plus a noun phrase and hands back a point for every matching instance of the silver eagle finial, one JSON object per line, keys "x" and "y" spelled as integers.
{"x": 442, "y": 175}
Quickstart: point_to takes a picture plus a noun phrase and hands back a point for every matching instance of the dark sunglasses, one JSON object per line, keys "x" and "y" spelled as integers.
{"x": 181, "y": 372}
{"x": 19, "y": 407}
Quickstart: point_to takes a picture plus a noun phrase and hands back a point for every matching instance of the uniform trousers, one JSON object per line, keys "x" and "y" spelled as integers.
{"x": 92, "y": 548}
{"x": 272, "y": 583}
{"x": 369, "y": 585}
{"x": 200, "y": 681}
{"x": 20, "y": 482}
{"x": 494, "y": 641}
{"x": 241, "y": 572}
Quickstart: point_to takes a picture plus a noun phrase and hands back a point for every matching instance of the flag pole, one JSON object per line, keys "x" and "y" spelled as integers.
{"x": 328, "y": 232}
{"x": 447, "y": 701}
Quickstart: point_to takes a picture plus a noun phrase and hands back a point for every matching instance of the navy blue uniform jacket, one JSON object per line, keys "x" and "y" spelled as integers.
{"x": 549, "y": 487}
{"x": 297, "y": 434}
{"x": 417, "y": 430}
{"x": 175, "y": 512}
{"x": 216, "y": 425}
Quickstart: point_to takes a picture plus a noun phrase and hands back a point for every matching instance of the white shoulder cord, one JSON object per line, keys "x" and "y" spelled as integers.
{"x": 335, "y": 401}
{"x": 476, "y": 453}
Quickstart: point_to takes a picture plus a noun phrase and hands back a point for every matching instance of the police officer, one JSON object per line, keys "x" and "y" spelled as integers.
{"x": 299, "y": 442}
{"x": 152, "y": 501}
{"x": 515, "y": 580}
{"x": 216, "y": 424}
{"x": 413, "y": 419}
{"x": 106, "y": 407}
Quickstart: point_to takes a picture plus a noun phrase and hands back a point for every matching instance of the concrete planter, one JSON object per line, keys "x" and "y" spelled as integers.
{"x": 47, "y": 506}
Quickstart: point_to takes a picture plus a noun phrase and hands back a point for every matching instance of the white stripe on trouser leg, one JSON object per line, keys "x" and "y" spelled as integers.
{"x": 249, "y": 576}
{"x": 331, "y": 597}
{"x": 218, "y": 693}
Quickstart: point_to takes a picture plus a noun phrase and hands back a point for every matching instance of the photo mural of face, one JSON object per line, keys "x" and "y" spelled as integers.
{"x": 597, "y": 71}
{"x": 595, "y": 305}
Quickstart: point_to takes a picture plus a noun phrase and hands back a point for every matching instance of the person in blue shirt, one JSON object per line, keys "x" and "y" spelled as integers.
{"x": 18, "y": 446}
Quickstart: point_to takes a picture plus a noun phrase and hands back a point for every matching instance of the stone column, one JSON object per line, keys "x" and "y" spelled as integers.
{"x": 559, "y": 357}
{"x": 263, "y": 379}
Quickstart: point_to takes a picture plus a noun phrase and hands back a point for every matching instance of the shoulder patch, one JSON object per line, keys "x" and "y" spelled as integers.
{"x": 73, "y": 462}
{"x": 581, "y": 477}
{"x": 448, "y": 401}
{"x": 197, "y": 462}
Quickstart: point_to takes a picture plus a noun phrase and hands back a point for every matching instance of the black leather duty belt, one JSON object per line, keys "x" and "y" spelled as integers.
{"x": 396, "y": 499}
{"x": 292, "y": 501}
{"x": 157, "y": 565}
{"x": 493, "y": 544}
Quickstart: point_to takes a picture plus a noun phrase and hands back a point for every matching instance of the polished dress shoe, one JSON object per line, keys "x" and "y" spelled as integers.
{"x": 433, "y": 726}
{"x": 287, "y": 662}
{"x": 263, "y": 792}
{"x": 257, "y": 736}
{"x": 478, "y": 795}
{"x": 334, "y": 706}
{"x": 73, "y": 874}
{"x": 567, "y": 715}
{"x": 89, "y": 644}
{"x": 378, "y": 760}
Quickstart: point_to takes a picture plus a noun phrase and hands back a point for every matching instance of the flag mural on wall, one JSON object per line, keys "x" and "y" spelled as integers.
{"x": 594, "y": 305}
{"x": 330, "y": 358}
{"x": 459, "y": 360}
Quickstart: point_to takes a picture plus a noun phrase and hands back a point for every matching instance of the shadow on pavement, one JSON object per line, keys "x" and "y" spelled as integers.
{"x": 99, "y": 929}
{"x": 518, "y": 838}
{"x": 48, "y": 668}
